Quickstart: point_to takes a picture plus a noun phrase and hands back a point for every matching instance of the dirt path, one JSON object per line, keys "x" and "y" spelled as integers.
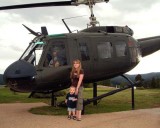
{"x": 17, "y": 116}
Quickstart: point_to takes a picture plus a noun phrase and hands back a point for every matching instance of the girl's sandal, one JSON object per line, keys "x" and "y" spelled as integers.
{"x": 78, "y": 119}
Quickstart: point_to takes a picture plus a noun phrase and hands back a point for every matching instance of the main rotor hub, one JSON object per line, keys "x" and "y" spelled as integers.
{"x": 92, "y": 18}
{"x": 93, "y": 22}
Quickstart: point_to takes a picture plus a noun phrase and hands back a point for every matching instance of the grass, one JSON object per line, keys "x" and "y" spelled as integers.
{"x": 7, "y": 96}
{"x": 146, "y": 98}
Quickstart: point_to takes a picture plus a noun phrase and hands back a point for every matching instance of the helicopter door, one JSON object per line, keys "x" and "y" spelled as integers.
{"x": 54, "y": 62}
{"x": 84, "y": 49}
{"x": 102, "y": 55}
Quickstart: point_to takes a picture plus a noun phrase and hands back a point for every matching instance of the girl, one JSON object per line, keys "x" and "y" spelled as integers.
{"x": 77, "y": 75}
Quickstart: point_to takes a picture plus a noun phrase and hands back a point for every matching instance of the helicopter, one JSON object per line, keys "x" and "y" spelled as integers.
{"x": 105, "y": 52}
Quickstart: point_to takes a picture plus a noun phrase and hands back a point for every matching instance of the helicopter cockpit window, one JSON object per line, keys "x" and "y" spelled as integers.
{"x": 33, "y": 53}
{"x": 84, "y": 51}
{"x": 56, "y": 56}
{"x": 105, "y": 50}
{"x": 121, "y": 49}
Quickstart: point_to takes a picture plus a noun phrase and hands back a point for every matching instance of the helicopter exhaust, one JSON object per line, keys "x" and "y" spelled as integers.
{"x": 44, "y": 30}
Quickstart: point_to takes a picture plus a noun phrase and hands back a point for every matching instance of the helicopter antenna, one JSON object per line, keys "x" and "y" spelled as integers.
{"x": 70, "y": 18}
{"x": 66, "y": 26}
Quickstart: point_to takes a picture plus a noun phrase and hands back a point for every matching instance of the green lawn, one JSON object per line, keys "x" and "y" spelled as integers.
{"x": 147, "y": 98}
{"x": 7, "y": 96}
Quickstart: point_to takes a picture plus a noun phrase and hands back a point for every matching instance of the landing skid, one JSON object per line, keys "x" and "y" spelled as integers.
{"x": 96, "y": 98}
{"x": 31, "y": 95}
{"x": 53, "y": 100}
{"x": 53, "y": 96}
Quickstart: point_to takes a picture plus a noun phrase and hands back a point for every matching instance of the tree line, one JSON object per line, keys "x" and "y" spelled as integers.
{"x": 154, "y": 82}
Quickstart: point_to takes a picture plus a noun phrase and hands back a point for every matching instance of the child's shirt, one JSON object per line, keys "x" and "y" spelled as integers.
{"x": 70, "y": 103}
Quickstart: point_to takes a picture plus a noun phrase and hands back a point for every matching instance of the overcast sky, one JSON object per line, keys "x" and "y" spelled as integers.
{"x": 142, "y": 16}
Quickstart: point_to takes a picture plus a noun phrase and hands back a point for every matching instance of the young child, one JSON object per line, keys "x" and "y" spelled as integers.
{"x": 71, "y": 99}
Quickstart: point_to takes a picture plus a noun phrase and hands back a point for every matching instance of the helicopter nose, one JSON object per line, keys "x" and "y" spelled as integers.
{"x": 19, "y": 76}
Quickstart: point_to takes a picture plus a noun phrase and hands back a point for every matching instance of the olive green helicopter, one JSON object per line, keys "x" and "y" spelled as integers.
{"x": 105, "y": 52}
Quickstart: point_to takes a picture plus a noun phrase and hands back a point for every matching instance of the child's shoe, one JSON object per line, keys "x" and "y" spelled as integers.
{"x": 74, "y": 118}
{"x": 69, "y": 117}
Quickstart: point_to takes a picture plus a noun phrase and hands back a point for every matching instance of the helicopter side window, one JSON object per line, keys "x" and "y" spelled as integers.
{"x": 121, "y": 49}
{"x": 33, "y": 53}
{"x": 56, "y": 56}
{"x": 105, "y": 50}
{"x": 84, "y": 51}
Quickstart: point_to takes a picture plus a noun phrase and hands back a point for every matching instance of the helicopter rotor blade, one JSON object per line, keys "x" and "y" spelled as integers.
{"x": 33, "y": 5}
{"x": 47, "y": 4}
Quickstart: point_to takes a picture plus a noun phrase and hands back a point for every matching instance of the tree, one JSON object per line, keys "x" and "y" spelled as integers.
{"x": 106, "y": 82}
{"x": 139, "y": 80}
{"x": 123, "y": 84}
{"x": 153, "y": 83}
{"x": 157, "y": 82}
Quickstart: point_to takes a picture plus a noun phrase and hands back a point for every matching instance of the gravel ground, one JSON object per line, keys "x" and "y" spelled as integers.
{"x": 17, "y": 116}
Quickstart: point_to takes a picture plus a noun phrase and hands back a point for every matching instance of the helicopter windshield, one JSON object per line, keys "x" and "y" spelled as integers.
{"x": 33, "y": 53}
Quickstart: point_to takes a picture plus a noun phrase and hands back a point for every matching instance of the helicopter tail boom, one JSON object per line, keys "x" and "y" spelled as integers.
{"x": 149, "y": 45}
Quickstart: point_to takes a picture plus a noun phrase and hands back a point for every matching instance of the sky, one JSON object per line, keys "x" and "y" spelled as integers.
{"x": 142, "y": 16}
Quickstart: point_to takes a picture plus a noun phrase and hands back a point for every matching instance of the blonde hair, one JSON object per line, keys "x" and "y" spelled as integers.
{"x": 73, "y": 68}
{"x": 72, "y": 87}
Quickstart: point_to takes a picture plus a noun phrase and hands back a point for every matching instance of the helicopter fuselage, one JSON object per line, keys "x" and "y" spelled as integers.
{"x": 103, "y": 55}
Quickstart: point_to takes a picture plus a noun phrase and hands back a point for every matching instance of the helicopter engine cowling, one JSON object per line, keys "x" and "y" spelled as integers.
{"x": 19, "y": 76}
{"x": 110, "y": 29}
